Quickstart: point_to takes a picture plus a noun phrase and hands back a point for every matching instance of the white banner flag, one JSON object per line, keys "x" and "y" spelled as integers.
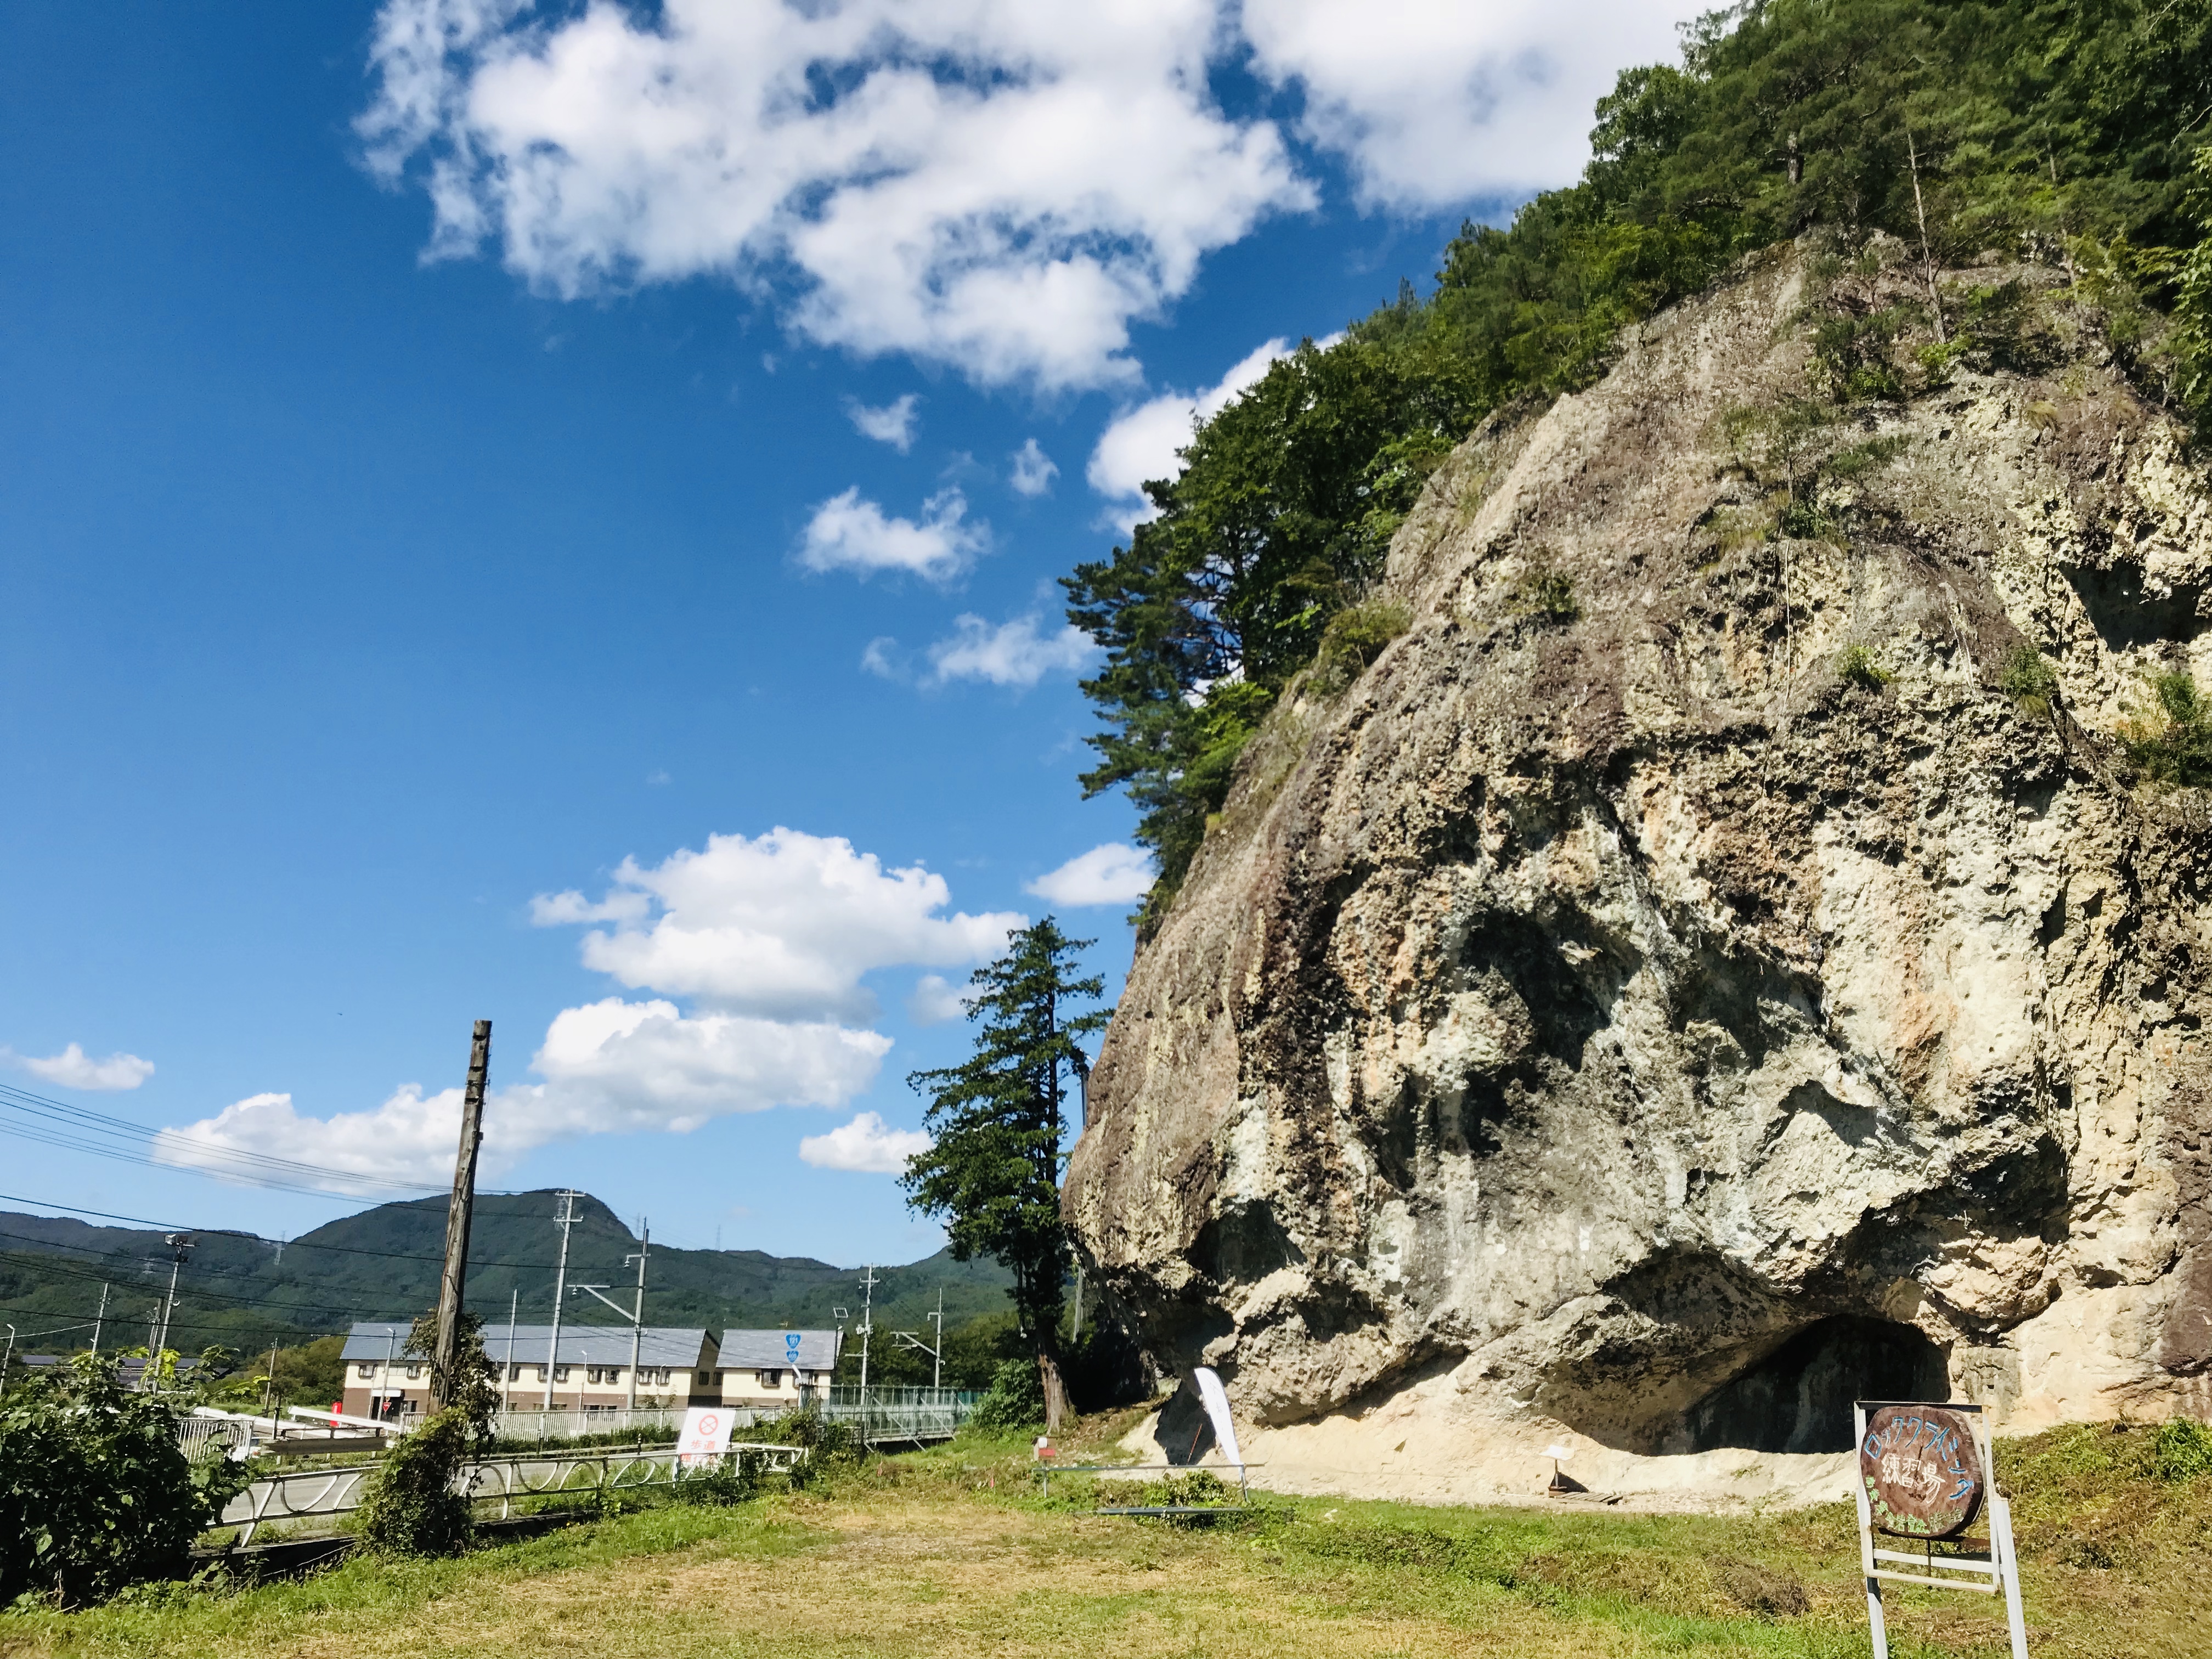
{"x": 1216, "y": 1400}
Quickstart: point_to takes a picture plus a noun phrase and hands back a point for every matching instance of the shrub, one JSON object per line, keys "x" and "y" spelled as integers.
{"x": 2172, "y": 739}
{"x": 1857, "y": 664}
{"x": 1016, "y": 1399}
{"x": 2182, "y": 1450}
{"x": 95, "y": 1493}
{"x": 733, "y": 1482}
{"x": 1355, "y": 636}
{"x": 1550, "y": 594}
{"x": 410, "y": 1506}
{"x": 2027, "y": 679}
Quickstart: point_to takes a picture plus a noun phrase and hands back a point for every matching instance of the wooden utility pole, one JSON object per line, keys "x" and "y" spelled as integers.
{"x": 446, "y": 1362}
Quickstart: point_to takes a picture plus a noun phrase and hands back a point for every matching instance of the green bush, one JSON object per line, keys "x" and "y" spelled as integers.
{"x": 733, "y": 1482}
{"x": 1857, "y": 664}
{"x": 1356, "y": 635}
{"x": 2172, "y": 739}
{"x": 1550, "y": 595}
{"x": 1016, "y": 1399}
{"x": 2182, "y": 1450}
{"x": 410, "y": 1506}
{"x": 95, "y": 1493}
{"x": 2028, "y": 680}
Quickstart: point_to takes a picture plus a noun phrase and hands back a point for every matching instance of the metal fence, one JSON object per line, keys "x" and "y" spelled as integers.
{"x": 324, "y": 1494}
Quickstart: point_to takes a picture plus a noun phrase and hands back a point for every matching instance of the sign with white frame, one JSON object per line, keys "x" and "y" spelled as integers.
{"x": 706, "y": 1436}
{"x": 1926, "y": 1474}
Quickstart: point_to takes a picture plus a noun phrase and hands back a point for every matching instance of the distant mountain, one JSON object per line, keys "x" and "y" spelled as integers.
{"x": 383, "y": 1263}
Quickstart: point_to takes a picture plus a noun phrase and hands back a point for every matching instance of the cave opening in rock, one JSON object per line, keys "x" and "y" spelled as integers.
{"x": 1798, "y": 1397}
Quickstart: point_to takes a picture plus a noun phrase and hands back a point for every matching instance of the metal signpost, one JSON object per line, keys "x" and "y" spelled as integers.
{"x": 1926, "y": 1472}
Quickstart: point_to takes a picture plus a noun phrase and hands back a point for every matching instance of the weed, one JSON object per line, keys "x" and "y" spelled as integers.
{"x": 1859, "y": 459}
{"x": 410, "y": 1506}
{"x": 1355, "y": 637}
{"x": 1769, "y": 1592}
{"x": 2170, "y": 738}
{"x": 2181, "y": 1450}
{"x": 1549, "y": 595}
{"x": 1857, "y": 664}
{"x": 2028, "y": 680}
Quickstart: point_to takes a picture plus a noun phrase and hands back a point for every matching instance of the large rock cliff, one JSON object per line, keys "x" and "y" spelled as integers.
{"x": 1607, "y": 1018}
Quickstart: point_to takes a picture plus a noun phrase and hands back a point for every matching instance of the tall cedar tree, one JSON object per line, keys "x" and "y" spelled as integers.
{"x": 2065, "y": 131}
{"x": 999, "y": 1120}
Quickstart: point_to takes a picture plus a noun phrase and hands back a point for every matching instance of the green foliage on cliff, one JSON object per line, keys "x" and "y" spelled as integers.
{"x": 2064, "y": 131}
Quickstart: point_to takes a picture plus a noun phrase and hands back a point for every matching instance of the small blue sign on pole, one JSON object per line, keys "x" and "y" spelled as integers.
{"x": 790, "y": 1345}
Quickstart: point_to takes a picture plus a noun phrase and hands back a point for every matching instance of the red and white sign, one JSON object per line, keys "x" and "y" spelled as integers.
{"x": 706, "y": 1436}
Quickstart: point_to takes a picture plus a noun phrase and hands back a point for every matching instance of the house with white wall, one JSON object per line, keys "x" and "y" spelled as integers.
{"x": 677, "y": 1366}
{"x": 775, "y": 1370}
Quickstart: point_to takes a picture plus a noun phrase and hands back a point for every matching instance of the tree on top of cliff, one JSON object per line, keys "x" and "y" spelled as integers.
{"x": 999, "y": 1119}
{"x": 2063, "y": 131}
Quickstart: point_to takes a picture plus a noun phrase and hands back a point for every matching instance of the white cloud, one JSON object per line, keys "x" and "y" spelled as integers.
{"x": 782, "y": 926}
{"x": 73, "y": 1068}
{"x": 892, "y": 424}
{"x": 1112, "y": 874}
{"x": 877, "y": 658}
{"x": 770, "y": 937}
{"x": 935, "y": 999}
{"x": 1012, "y": 654}
{"x": 848, "y": 532}
{"x": 610, "y": 1067}
{"x": 866, "y": 1145}
{"x": 992, "y": 184}
{"x": 1033, "y": 470}
{"x": 1439, "y": 102}
{"x": 1142, "y": 443}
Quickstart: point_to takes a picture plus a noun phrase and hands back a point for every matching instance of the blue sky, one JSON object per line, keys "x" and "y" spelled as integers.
{"x": 430, "y": 478}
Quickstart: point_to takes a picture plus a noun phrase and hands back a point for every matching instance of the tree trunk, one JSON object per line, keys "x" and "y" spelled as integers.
{"x": 1055, "y": 1390}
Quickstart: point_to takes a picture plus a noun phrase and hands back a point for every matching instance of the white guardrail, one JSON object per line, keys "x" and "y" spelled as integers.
{"x": 312, "y": 1494}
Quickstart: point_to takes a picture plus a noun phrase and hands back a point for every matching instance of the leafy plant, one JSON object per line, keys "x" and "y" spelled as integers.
{"x": 1014, "y": 1400}
{"x": 1355, "y": 637}
{"x": 95, "y": 1493}
{"x": 2028, "y": 679}
{"x": 2170, "y": 738}
{"x": 2182, "y": 1450}
{"x": 1549, "y": 595}
{"x": 411, "y": 1506}
{"x": 731, "y": 1483}
{"x": 1857, "y": 664}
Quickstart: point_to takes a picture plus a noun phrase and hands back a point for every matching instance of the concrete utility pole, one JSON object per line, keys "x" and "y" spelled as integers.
{"x": 181, "y": 1246}
{"x": 565, "y": 1220}
{"x": 867, "y": 1325}
{"x": 458, "y": 1212}
{"x": 100, "y": 1318}
{"x": 637, "y": 1318}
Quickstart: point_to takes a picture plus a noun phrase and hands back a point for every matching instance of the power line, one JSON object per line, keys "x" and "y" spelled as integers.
{"x": 55, "y": 1123}
{"x": 255, "y": 1238}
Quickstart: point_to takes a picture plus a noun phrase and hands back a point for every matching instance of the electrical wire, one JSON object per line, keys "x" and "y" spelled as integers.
{"x": 289, "y": 1244}
{"x": 77, "y": 1129}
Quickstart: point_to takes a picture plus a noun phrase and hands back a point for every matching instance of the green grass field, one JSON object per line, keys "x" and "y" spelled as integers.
{"x": 954, "y": 1553}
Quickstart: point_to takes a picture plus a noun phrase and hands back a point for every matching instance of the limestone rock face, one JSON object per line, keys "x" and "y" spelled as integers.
{"x": 1605, "y": 1016}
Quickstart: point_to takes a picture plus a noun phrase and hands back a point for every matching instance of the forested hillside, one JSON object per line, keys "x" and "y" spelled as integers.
{"x": 1938, "y": 132}
{"x": 243, "y": 1292}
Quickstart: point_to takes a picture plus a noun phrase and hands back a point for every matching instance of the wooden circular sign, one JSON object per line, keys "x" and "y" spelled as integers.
{"x": 1922, "y": 1473}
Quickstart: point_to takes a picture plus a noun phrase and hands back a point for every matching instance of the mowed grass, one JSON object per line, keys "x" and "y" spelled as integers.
{"x": 954, "y": 1553}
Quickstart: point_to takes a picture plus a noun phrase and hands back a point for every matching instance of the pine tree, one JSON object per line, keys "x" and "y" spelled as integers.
{"x": 994, "y": 1172}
